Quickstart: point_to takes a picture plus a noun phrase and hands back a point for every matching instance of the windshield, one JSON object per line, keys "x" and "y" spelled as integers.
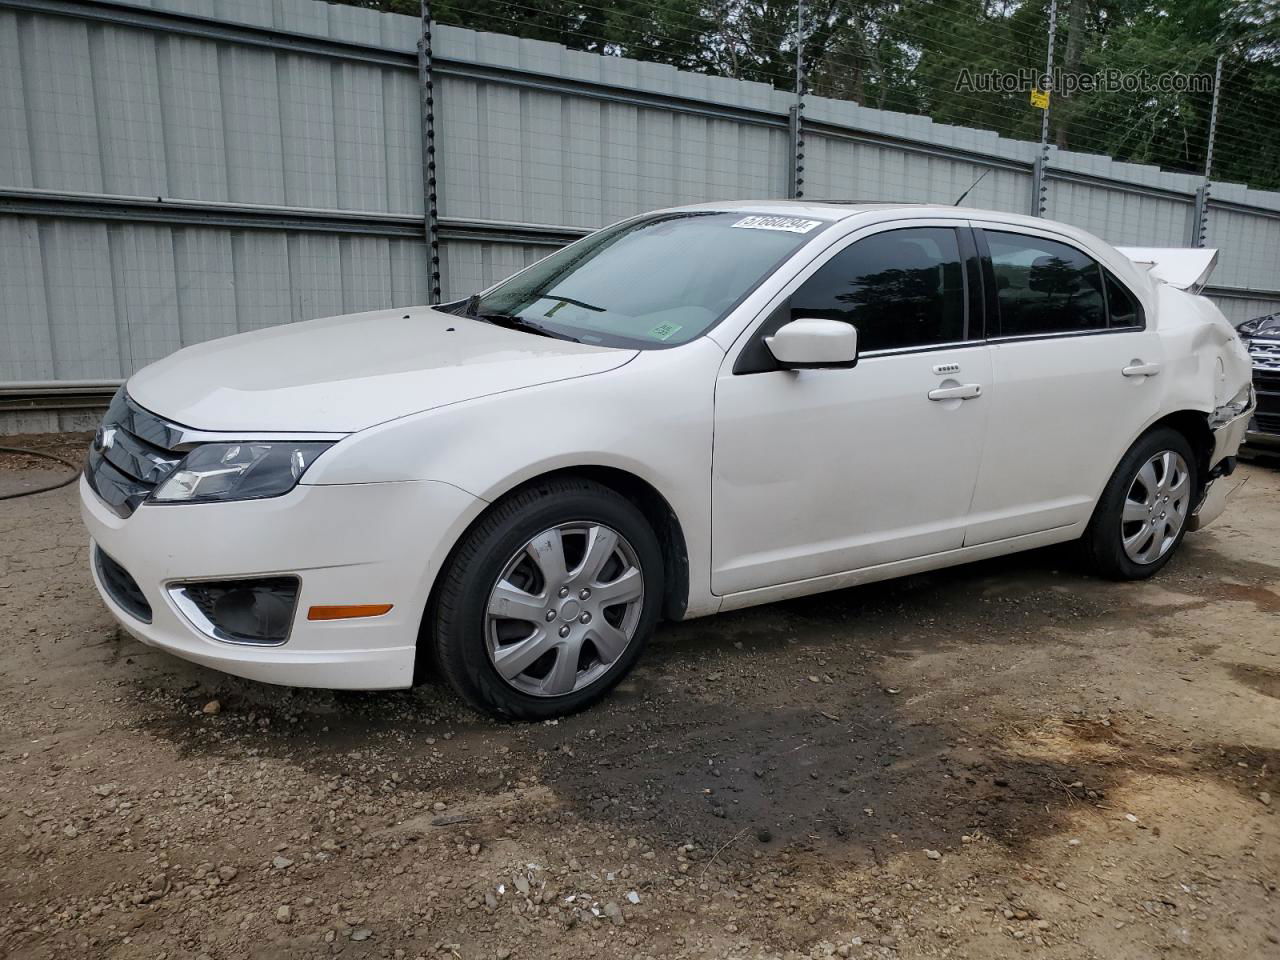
{"x": 654, "y": 282}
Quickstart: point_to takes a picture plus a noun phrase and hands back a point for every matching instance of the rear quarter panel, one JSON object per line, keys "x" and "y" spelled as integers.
{"x": 1206, "y": 360}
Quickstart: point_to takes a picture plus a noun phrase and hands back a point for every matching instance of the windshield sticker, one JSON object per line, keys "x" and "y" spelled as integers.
{"x": 788, "y": 224}
{"x": 664, "y": 331}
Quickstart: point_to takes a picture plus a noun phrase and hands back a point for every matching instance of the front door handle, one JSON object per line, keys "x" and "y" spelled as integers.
{"x": 1139, "y": 369}
{"x": 963, "y": 391}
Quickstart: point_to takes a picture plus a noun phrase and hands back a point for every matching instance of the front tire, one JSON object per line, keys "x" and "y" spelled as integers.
{"x": 547, "y": 603}
{"x": 1142, "y": 515}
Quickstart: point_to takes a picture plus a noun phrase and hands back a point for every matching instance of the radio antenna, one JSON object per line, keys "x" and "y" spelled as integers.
{"x": 971, "y": 186}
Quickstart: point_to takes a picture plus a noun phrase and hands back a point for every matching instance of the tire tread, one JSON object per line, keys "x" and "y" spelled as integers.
{"x": 471, "y": 678}
{"x": 1100, "y": 546}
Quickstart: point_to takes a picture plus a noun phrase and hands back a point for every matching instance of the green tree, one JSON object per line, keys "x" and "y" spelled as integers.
{"x": 907, "y": 55}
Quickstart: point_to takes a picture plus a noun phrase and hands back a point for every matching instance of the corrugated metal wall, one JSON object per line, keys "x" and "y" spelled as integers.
{"x": 176, "y": 170}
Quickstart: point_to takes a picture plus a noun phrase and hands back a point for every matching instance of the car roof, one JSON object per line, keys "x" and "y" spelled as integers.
{"x": 834, "y": 210}
{"x": 830, "y": 210}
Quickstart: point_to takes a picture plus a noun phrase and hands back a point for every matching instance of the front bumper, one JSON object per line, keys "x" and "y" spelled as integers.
{"x": 348, "y": 544}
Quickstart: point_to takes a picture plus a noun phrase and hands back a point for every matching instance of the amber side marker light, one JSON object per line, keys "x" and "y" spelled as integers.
{"x": 348, "y": 612}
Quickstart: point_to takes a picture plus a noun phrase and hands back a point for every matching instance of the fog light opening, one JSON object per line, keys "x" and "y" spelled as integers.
{"x": 252, "y": 611}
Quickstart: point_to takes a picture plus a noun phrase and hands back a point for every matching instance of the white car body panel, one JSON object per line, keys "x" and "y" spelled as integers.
{"x": 855, "y": 422}
{"x": 672, "y": 392}
{"x": 1181, "y": 267}
{"x": 782, "y": 483}
{"x": 346, "y": 373}
{"x": 347, "y": 543}
{"x": 898, "y": 568}
{"x": 1068, "y": 391}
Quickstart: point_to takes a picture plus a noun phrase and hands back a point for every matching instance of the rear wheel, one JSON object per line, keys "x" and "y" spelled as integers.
{"x": 548, "y": 602}
{"x": 1143, "y": 513}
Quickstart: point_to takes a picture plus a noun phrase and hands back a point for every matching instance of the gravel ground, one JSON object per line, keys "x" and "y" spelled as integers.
{"x": 1009, "y": 759}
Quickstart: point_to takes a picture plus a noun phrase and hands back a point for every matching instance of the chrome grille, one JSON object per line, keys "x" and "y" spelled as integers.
{"x": 1265, "y": 354}
{"x": 1266, "y": 384}
{"x": 132, "y": 453}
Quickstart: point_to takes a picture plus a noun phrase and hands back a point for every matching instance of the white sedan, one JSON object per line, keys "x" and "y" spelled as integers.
{"x": 690, "y": 411}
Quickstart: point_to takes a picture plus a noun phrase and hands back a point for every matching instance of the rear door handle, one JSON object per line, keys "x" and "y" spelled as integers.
{"x": 965, "y": 391}
{"x": 1139, "y": 369}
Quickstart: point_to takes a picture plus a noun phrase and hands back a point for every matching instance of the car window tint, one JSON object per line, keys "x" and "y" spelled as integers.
{"x": 1044, "y": 287}
{"x": 1122, "y": 305}
{"x": 901, "y": 288}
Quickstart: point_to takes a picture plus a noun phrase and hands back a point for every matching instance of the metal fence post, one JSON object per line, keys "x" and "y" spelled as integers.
{"x": 796, "y": 125}
{"x": 1199, "y": 217}
{"x": 1039, "y": 183}
{"x": 1039, "y": 186}
{"x": 1200, "y": 224}
{"x": 431, "y": 207}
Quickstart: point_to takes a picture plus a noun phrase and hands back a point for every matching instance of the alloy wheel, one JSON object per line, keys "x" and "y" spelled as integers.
{"x": 564, "y": 609}
{"x": 1156, "y": 507}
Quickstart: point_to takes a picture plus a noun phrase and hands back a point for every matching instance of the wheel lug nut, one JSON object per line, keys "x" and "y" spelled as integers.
{"x": 564, "y": 631}
{"x": 551, "y": 615}
{"x": 584, "y": 594}
{"x": 585, "y": 618}
{"x": 564, "y": 591}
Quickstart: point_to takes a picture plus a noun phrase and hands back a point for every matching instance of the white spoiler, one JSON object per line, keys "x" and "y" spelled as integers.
{"x": 1186, "y": 268}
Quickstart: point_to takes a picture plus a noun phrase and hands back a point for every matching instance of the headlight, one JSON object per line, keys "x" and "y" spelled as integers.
{"x": 239, "y": 471}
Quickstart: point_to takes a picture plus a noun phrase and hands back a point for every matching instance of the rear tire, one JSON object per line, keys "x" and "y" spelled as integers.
{"x": 548, "y": 602}
{"x": 1142, "y": 516}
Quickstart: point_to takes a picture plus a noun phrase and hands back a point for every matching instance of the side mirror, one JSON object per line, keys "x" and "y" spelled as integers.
{"x": 808, "y": 343}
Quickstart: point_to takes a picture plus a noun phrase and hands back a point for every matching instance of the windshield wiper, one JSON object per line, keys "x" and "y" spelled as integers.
{"x": 577, "y": 303}
{"x": 520, "y": 323}
{"x": 472, "y": 310}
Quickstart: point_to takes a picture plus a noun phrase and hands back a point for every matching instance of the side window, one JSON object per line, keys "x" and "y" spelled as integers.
{"x": 1044, "y": 287}
{"x": 900, "y": 288}
{"x": 1122, "y": 306}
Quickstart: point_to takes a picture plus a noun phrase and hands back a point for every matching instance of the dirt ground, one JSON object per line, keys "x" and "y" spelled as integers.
{"x": 1008, "y": 759}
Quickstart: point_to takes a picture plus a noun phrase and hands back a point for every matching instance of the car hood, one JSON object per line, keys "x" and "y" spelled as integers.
{"x": 345, "y": 373}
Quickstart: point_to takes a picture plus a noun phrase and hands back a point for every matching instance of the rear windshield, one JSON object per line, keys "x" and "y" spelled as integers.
{"x": 654, "y": 282}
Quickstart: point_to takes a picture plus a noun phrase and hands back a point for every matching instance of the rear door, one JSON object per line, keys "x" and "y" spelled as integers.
{"x": 1073, "y": 365}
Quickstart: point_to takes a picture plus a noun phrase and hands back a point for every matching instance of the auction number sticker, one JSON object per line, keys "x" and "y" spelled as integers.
{"x": 787, "y": 224}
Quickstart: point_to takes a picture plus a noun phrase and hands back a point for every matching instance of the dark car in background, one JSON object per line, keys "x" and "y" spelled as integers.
{"x": 1261, "y": 336}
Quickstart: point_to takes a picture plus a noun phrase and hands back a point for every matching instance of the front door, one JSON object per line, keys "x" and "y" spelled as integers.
{"x": 818, "y": 472}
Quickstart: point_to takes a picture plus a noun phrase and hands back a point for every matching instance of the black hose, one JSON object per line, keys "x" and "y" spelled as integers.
{"x": 53, "y": 486}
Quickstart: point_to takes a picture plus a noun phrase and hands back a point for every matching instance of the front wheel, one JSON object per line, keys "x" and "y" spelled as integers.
{"x": 1143, "y": 513}
{"x": 548, "y": 602}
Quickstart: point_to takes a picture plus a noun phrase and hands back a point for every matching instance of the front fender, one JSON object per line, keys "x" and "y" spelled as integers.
{"x": 651, "y": 418}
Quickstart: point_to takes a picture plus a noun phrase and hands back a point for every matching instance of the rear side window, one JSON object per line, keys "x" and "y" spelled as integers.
{"x": 900, "y": 288}
{"x": 1122, "y": 306}
{"x": 1043, "y": 286}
